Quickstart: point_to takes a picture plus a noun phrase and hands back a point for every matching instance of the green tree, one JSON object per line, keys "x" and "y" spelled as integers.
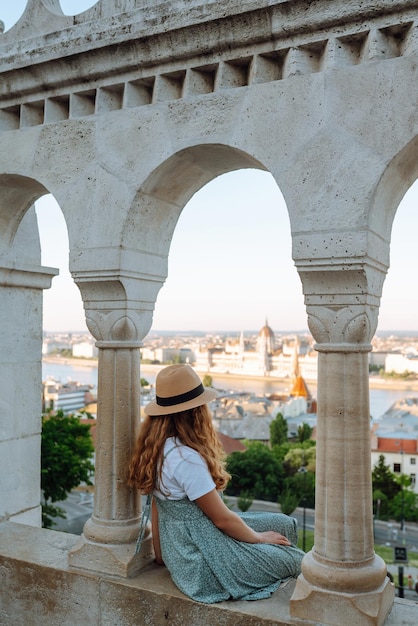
{"x": 256, "y": 471}
{"x": 244, "y": 501}
{"x": 278, "y": 430}
{"x": 66, "y": 453}
{"x": 207, "y": 380}
{"x": 298, "y": 457}
{"x": 288, "y": 501}
{"x": 302, "y": 485}
{"x": 404, "y": 504}
{"x": 378, "y": 498}
{"x": 304, "y": 432}
{"x": 144, "y": 382}
{"x": 385, "y": 482}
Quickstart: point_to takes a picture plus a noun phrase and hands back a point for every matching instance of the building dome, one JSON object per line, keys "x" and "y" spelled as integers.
{"x": 266, "y": 340}
{"x": 266, "y": 332}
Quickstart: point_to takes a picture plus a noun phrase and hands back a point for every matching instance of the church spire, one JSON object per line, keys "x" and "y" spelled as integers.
{"x": 295, "y": 372}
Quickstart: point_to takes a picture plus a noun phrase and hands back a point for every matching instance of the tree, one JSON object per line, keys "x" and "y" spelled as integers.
{"x": 244, "y": 501}
{"x": 384, "y": 481}
{"x": 302, "y": 485}
{"x": 288, "y": 501}
{"x": 207, "y": 380}
{"x": 278, "y": 430}
{"x": 66, "y": 453}
{"x": 304, "y": 432}
{"x": 256, "y": 471}
{"x": 403, "y": 507}
{"x": 298, "y": 457}
{"x": 378, "y": 498}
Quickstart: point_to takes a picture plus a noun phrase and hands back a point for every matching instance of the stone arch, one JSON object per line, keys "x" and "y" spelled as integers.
{"x": 17, "y": 195}
{"x": 400, "y": 173}
{"x": 22, "y": 280}
{"x": 161, "y": 198}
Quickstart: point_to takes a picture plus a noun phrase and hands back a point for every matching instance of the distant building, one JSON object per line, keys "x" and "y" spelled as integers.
{"x": 167, "y": 355}
{"x": 378, "y": 359}
{"x": 54, "y": 345}
{"x": 395, "y": 436}
{"x": 246, "y": 416}
{"x": 401, "y": 363}
{"x": 265, "y": 358}
{"x": 84, "y": 349}
{"x": 68, "y": 397}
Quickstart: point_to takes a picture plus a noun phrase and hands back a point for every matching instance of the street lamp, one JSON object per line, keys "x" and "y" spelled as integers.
{"x": 402, "y": 493}
{"x": 401, "y": 451}
{"x": 304, "y": 471}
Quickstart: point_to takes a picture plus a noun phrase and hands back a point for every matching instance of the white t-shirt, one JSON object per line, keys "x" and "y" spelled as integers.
{"x": 184, "y": 473}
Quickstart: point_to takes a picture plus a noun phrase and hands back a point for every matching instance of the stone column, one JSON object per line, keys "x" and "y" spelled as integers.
{"x": 109, "y": 537}
{"x": 343, "y": 581}
{"x": 21, "y": 292}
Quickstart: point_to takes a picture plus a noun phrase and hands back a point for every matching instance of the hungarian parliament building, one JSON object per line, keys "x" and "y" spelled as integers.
{"x": 259, "y": 356}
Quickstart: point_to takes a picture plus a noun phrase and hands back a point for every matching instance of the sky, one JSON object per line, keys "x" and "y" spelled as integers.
{"x": 233, "y": 242}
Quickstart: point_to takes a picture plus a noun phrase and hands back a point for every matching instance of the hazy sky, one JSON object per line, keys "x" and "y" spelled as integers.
{"x": 233, "y": 242}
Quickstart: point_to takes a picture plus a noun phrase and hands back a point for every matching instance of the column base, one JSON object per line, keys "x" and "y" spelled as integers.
{"x": 114, "y": 559}
{"x": 325, "y": 606}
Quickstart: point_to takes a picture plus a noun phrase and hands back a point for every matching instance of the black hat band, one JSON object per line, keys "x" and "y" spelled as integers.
{"x": 183, "y": 397}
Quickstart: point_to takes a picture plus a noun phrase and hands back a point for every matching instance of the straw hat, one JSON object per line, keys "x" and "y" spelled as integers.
{"x": 178, "y": 388}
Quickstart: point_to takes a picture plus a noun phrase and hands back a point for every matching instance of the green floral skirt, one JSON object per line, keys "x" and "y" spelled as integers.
{"x": 209, "y": 566}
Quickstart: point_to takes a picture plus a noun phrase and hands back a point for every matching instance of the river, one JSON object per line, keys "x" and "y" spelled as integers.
{"x": 380, "y": 399}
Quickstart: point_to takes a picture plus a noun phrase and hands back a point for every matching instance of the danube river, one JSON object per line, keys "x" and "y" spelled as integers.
{"x": 75, "y": 370}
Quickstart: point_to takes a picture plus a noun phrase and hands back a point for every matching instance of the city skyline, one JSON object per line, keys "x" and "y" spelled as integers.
{"x": 232, "y": 244}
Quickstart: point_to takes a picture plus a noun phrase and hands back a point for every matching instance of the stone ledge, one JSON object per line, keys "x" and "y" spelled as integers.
{"x": 37, "y": 586}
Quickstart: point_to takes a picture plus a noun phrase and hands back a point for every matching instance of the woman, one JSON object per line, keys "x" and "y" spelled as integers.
{"x": 212, "y": 553}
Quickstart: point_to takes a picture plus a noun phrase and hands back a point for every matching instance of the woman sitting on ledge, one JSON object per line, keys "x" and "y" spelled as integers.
{"x": 212, "y": 553}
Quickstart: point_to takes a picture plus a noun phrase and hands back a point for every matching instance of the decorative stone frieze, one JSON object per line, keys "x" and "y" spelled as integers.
{"x": 285, "y": 45}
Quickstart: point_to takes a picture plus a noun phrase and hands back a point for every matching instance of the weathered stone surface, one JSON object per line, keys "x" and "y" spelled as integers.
{"x": 123, "y": 112}
{"x": 38, "y": 587}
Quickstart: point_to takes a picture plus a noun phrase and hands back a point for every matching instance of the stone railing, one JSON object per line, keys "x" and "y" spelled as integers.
{"x": 36, "y": 587}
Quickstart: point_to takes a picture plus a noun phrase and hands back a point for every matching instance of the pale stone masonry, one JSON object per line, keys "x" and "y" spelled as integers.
{"x": 122, "y": 113}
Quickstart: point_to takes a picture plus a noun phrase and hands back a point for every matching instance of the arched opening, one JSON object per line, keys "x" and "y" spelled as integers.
{"x": 394, "y": 364}
{"x": 230, "y": 263}
{"x": 73, "y": 7}
{"x": 13, "y": 11}
{"x": 22, "y": 281}
{"x": 399, "y": 307}
{"x": 63, "y": 307}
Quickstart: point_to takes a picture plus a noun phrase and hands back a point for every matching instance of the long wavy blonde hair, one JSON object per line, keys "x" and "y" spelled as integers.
{"x": 193, "y": 428}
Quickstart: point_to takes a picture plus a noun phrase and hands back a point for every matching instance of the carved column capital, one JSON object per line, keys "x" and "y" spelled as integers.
{"x": 119, "y": 305}
{"x": 336, "y": 328}
{"x": 113, "y": 328}
{"x": 342, "y": 302}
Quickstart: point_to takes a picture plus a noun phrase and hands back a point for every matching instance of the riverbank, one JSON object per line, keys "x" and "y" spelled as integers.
{"x": 375, "y": 382}
{"x": 74, "y": 362}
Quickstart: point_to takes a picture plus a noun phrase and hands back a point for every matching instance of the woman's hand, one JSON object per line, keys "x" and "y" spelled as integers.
{"x": 233, "y": 525}
{"x": 271, "y": 536}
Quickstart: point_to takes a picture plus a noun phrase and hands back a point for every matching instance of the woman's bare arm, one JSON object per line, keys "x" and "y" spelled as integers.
{"x": 156, "y": 534}
{"x": 231, "y": 524}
